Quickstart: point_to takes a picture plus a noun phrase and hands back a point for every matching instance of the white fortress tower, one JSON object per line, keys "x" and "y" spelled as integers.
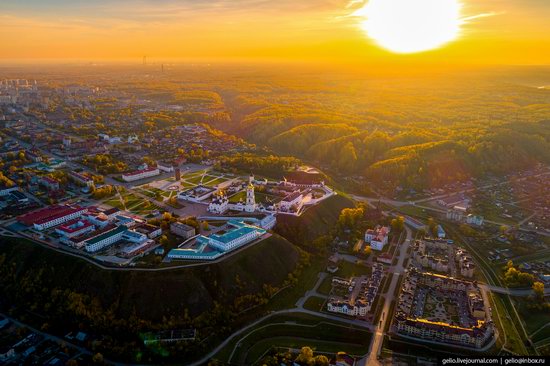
{"x": 250, "y": 198}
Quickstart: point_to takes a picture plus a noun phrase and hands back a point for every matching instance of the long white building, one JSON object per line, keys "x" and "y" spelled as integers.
{"x": 51, "y": 216}
{"x": 140, "y": 174}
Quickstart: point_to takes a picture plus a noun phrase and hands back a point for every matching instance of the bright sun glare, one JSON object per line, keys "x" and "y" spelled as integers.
{"x": 408, "y": 26}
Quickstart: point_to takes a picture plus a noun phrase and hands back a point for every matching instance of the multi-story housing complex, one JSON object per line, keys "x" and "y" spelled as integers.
{"x": 474, "y": 327}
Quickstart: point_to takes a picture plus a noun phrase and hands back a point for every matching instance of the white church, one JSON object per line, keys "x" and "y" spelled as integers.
{"x": 220, "y": 203}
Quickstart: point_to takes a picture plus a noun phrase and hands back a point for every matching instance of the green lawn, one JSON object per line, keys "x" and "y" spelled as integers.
{"x": 215, "y": 181}
{"x": 515, "y": 342}
{"x": 326, "y": 286}
{"x": 194, "y": 180}
{"x": 533, "y": 318}
{"x": 238, "y": 197}
{"x": 347, "y": 269}
{"x": 543, "y": 335}
{"x": 287, "y": 298}
{"x": 314, "y": 303}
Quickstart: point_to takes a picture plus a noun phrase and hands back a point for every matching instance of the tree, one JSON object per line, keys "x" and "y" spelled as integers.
{"x": 538, "y": 288}
{"x": 367, "y": 251}
{"x": 98, "y": 359}
{"x": 432, "y": 227}
{"x": 205, "y": 226}
{"x": 163, "y": 240}
{"x": 322, "y": 360}
{"x": 398, "y": 224}
{"x": 348, "y": 158}
{"x": 306, "y": 356}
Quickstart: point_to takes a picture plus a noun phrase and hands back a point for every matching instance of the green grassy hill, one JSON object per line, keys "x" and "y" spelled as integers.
{"x": 316, "y": 221}
{"x": 151, "y": 295}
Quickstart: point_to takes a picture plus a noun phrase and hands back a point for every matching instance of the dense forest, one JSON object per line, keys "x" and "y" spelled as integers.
{"x": 413, "y": 132}
{"x": 416, "y": 130}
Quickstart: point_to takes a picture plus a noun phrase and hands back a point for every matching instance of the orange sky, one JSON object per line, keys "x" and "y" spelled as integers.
{"x": 509, "y": 32}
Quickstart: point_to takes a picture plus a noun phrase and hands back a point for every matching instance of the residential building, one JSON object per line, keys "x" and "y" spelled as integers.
{"x": 4, "y": 190}
{"x": 456, "y": 213}
{"x": 81, "y": 179}
{"x": 377, "y": 237}
{"x": 474, "y": 220}
{"x": 51, "y": 184}
{"x": 344, "y": 307}
{"x": 185, "y": 231}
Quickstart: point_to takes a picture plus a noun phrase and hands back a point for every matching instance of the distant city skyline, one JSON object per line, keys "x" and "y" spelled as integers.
{"x": 494, "y": 31}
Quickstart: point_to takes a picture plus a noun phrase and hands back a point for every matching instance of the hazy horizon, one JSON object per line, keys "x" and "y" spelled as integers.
{"x": 492, "y": 33}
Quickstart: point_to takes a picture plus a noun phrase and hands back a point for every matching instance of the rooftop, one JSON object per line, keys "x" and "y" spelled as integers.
{"x": 117, "y": 230}
{"x": 137, "y": 172}
{"x": 47, "y": 214}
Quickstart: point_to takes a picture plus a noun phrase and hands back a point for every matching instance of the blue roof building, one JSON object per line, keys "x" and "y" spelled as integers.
{"x": 215, "y": 245}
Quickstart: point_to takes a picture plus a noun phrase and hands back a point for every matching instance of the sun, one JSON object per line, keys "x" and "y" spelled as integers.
{"x": 409, "y": 26}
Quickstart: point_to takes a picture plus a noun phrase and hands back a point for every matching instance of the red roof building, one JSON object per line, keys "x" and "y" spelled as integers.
{"x": 50, "y": 216}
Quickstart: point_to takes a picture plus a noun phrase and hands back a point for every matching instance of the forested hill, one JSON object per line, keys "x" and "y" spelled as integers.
{"x": 412, "y": 132}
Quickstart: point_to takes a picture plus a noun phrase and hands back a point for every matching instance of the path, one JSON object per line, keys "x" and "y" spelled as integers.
{"x": 313, "y": 292}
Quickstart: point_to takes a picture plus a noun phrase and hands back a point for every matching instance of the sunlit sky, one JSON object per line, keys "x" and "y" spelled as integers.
{"x": 495, "y": 31}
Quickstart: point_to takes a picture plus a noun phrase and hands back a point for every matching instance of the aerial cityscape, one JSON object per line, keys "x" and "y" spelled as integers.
{"x": 346, "y": 183}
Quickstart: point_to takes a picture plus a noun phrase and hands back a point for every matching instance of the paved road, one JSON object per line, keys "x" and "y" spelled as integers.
{"x": 522, "y": 292}
{"x": 378, "y": 338}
